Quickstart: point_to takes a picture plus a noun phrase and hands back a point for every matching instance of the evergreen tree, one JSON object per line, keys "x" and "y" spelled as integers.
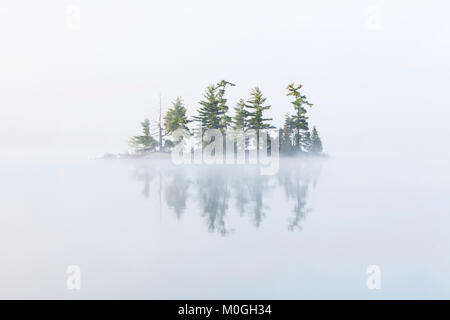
{"x": 225, "y": 119}
{"x": 316, "y": 142}
{"x": 240, "y": 123}
{"x": 286, "y": 135}
{"x": 175, "y": 117}
{"x": 299, "y": 120}
{"x": 208, "y": 115}
{"x": 256, "y": 120}
{"x": 213, "y": 111}
{"x": 306, "y": 141}
{"x": 240, "y": 120}
{"x": 145, "y": 142}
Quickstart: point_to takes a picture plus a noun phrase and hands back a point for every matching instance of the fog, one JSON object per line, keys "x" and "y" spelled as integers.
{"x": 140, "y": 229}
{"x": 377, "y": 73}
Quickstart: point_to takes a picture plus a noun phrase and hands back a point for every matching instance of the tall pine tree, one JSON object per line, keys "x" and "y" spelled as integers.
{"x": 286, "y": 135}
{"x": 213, "y": 111}
{"x": 256, "y": 121}
{"x": 240, "y": 124}
{"x": 208, "y": 114}
{"x": 299, "y": 120}
{"x": 225, "y": 119}
{"x": 240, "y": 121}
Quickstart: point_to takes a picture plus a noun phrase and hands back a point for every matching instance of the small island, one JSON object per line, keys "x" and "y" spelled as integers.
{"x": 294, "y": 138}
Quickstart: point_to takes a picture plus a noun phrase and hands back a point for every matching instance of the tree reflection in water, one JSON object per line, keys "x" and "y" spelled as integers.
{"x": 213, "y": 187}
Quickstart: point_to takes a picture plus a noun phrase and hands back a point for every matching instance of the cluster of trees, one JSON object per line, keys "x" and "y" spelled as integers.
{"x": 295, "y": 135}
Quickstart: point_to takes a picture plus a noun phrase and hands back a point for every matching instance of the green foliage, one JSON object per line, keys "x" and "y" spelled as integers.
{"x": 316, "y": 142}
{"x": 240, "y": 120}
{"x": 285, "y": 135}
{"x": 213, "y": 111}
{"x": 299, "y": 120}
{"x": 256, "y": 121}
{"x": 255, "y": 114}
{"x": 175, "y": 117}
{"x": 306, "y": 141}
{"x": 208, "y": 113}
{"x": 225, "y": 119}
{"x": 145, "y": 142}
{"x": 294, "y": 136}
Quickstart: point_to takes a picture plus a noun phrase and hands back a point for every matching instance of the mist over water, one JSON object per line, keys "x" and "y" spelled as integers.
{"x": 150, "y": 229}
{"x": 377, "y": 73}
{"x": 219, "y": 193}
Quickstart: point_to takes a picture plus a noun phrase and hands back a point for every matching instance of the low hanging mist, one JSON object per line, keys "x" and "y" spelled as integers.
{"x": 217, "y": 192}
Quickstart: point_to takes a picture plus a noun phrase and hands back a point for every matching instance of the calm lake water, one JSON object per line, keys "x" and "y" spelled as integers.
{"x": 148, "y": 229}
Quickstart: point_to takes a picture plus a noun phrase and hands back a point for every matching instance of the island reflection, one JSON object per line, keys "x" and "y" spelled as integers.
{"x": 218, "y": 190}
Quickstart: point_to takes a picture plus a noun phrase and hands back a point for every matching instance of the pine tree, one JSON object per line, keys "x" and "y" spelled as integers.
{"x": 145, "y": 142}
{"x": 208, "y": 115}
{"x": 213, "y": 113}
{"x": 225, "y": 119}
{"x": 299, "y": 119}
{"x": 256, "y": 120}
{"x": 306, "y": 141}
{"x": 175, "y": 117}
{"x": 240, "y": 124}
{"x": 286, "y": 135}
{"x": 240, "y": 120}
{"x": 316, "y": 142}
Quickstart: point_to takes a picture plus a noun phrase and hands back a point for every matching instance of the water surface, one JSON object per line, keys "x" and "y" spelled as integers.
{"x": 148, "y": 229}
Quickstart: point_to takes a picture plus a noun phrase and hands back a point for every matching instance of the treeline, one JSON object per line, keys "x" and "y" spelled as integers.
{"x": 295, "y": 135}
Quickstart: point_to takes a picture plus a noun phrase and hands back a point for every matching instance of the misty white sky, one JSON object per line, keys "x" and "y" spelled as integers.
{"x": 377, "y": 71}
